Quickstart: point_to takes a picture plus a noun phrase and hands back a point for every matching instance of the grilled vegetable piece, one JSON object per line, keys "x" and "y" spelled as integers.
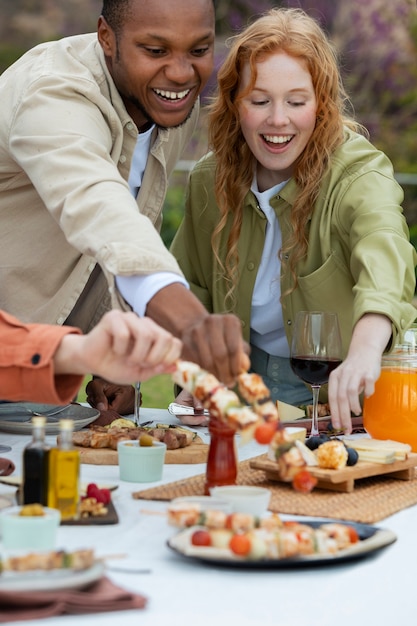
{"x": 253, "y": 389}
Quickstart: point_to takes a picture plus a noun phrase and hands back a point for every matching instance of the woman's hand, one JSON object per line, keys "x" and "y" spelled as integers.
{"x": 359, "y": 371}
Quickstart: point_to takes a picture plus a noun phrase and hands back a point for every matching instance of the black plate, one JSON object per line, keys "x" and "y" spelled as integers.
{"x": 372, "y": 539}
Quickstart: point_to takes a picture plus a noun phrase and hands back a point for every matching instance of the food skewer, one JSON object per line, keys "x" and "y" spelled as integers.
{"x": 223, "y": 403}
{"x": 248, "y": 536}
{"x": 260, "y": 420}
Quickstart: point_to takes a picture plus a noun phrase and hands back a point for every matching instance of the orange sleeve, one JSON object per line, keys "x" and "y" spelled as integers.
{"x": 26, "y": 362}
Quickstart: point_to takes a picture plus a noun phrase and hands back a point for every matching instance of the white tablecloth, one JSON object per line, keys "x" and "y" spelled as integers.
{"x": 377, "y": 590}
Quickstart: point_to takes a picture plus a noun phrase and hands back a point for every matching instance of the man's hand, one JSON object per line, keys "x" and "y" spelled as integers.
{"x": 103, "y": 395}
{"x": 213, "y": 341}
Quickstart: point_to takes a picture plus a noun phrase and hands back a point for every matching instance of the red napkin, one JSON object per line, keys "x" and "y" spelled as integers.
{"x": 7, "y": 467}
{"x": 101, "y": 596}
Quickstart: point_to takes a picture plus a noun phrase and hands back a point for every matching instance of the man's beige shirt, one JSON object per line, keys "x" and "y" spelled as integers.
{"x": 66, "y": 145}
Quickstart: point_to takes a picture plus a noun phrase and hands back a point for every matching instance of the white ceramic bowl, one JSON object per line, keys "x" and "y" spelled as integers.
{"x": 244, "y": 498}
{"x": 29, "y": 532}
{"x": 141, "y": 464}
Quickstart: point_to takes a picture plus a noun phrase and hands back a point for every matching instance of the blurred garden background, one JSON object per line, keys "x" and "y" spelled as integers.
{"x": 377, "y": 44}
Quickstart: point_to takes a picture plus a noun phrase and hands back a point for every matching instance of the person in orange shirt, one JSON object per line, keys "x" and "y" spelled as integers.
{"x": 47, "y": 363}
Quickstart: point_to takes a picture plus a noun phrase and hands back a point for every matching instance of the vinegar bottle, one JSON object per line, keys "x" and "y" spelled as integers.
{"x": 64, "y": 474}
{"x": 221, "y": 461}
{"x": 35, "y": 465}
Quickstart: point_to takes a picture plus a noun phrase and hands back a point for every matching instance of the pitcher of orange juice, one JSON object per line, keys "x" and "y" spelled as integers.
{"x": 391, "y": 412}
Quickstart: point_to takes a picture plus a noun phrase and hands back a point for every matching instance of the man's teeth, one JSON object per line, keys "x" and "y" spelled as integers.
{"x": 172, "y": 95}
{"x": 277, "y": 139}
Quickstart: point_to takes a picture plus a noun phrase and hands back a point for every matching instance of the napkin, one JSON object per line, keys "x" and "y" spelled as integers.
{"x": 323, "y": 424}
{"x": 101, "y": 596}
{"x": 7, "y": 467}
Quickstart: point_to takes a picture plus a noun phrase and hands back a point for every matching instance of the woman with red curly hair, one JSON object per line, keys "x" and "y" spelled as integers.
{"x": 294, "y": 209}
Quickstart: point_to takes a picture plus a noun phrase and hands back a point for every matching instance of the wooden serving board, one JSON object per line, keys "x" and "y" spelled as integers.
{"x": 111, "y": 517}
{"x": 344, "y": 479}
{"x": 196, "y": 452}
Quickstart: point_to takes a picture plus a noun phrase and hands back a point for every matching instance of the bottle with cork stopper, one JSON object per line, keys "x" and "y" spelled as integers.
{"x": 35, "y": 465}
{"x": 64, "y": 474}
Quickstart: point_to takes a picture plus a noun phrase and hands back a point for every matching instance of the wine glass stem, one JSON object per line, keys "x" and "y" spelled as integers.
{"x": 137, "y": 403}
{"x": 314, "y": 420}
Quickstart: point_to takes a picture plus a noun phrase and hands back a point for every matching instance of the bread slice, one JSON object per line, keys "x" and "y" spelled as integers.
{"x": 383, "y": 446}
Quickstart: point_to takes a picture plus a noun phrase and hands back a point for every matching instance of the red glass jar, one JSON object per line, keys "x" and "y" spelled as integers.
{"x": 221, "y": 461}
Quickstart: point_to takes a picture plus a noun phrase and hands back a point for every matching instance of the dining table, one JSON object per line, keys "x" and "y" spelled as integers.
{"x": 377, "y": 589}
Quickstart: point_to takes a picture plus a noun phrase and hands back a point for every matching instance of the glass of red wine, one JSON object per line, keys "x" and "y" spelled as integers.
{"x": 316, "y": 351}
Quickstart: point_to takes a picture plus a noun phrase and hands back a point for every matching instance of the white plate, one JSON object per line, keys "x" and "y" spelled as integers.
{"x": 55, "y": 580}
{"x": 14, "y": 418}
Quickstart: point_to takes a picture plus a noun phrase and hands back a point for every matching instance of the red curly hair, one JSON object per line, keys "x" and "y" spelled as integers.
{"x": 294, "y": 32}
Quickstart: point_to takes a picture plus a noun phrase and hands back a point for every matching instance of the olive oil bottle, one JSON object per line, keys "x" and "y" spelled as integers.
{"x": 64, "y": 474}
{"x": 35, "y": 465}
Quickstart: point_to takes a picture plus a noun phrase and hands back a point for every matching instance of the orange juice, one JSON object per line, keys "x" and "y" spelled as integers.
{"x": 391, "y": 412}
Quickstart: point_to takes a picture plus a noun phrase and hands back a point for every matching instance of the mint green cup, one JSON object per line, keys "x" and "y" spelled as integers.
{"x": 34, "y": 532}
{"x": 141, "y": 464}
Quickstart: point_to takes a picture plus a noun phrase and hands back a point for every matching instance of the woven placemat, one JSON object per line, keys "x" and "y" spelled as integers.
{"x": 372, "y": 500}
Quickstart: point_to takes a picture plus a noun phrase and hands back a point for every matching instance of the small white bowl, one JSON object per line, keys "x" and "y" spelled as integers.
{"x": 141, "y": 464}
{"x": 29, "y": 532}
{"x": 244, "y": 498}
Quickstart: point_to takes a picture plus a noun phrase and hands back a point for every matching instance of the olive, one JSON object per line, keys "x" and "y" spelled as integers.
{"x": 353, "y": 456}
{"x": 146, "y": 440}
{"x": 314, "y": 442}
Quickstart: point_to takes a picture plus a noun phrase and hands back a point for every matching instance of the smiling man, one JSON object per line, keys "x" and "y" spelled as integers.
{"x": 91, "y": 127}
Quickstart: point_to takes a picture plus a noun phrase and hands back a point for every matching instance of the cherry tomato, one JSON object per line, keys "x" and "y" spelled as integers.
{"x": 229, "y": 521}
{"x": 304, "y": 482}
{"x": 353, "y": 535}
{"x": 201, "y": 538}
{"x": 240, "y": 544}
{"x": 264, "y": 432}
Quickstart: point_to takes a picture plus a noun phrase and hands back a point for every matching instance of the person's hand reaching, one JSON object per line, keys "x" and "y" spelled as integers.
{"x": 103, "y": 395}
